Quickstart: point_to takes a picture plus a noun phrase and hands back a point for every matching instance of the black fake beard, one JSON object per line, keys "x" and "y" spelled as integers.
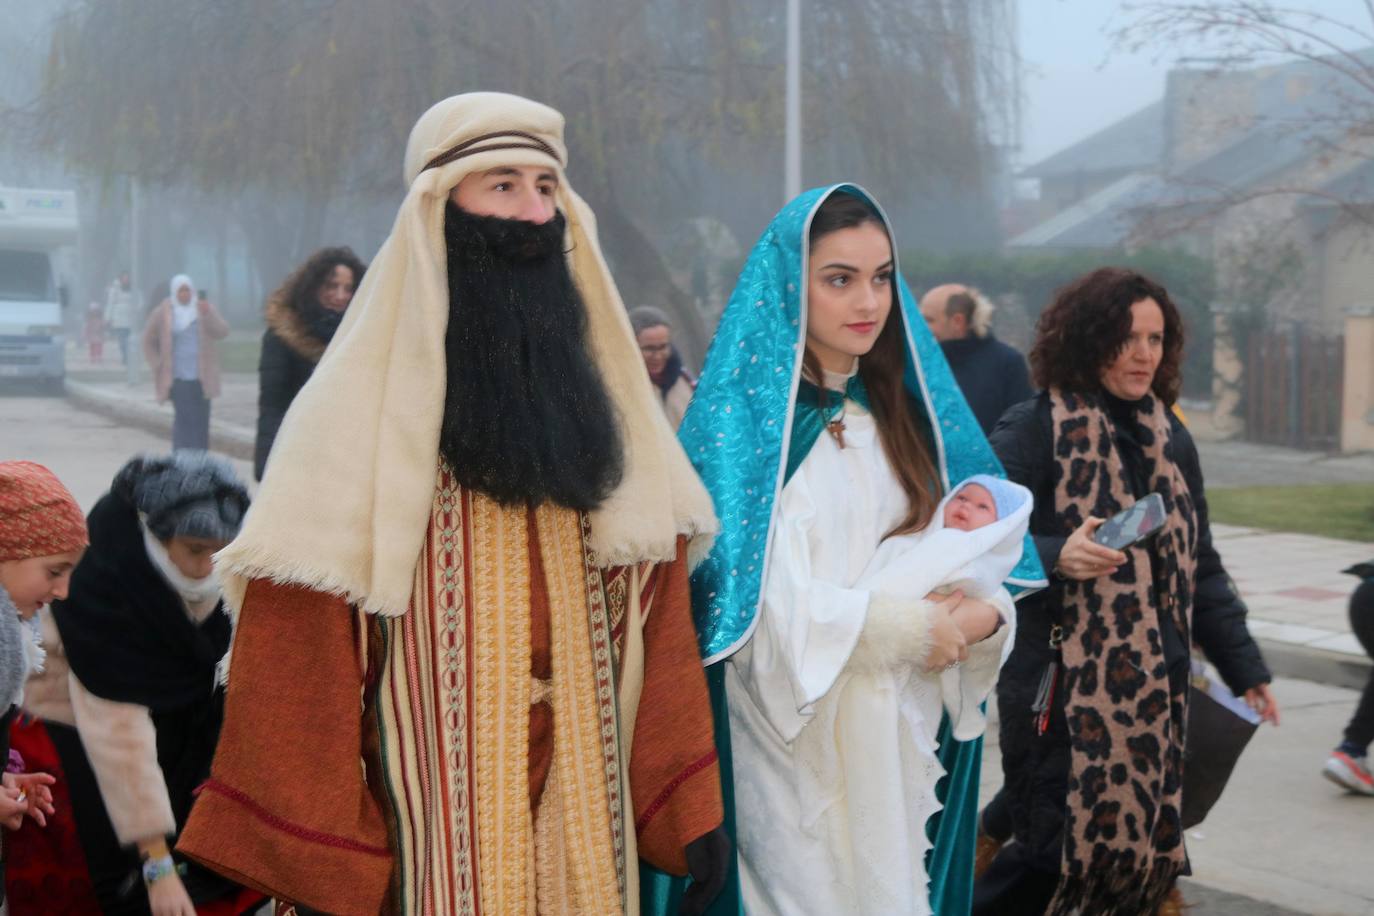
{"x": 527, "y": 417}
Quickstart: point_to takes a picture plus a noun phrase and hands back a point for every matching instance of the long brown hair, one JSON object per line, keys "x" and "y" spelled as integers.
{"x": 882, "y": 370}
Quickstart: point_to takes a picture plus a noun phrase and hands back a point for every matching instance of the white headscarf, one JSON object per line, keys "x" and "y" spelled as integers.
{"x": 347, "y": 497}
{"x": 194, "y": 592}
{"x": 182, "y": 315}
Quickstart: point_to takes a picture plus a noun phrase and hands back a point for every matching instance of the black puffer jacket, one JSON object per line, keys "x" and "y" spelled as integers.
{"x": 290, "y": 352}
{"x": 992, "y": 375}
{"x": 1036, "y": 766}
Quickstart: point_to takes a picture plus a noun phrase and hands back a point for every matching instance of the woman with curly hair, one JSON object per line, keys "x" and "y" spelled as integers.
{"x": 1093, "y": 700}
{"x": 302, "y": 316}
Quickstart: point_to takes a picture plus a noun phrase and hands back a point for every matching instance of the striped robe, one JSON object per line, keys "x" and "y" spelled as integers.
{"x": 510, "y": 745}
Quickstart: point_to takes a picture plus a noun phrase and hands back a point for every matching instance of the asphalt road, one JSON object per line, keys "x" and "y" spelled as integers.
{"x": 83, "y": 449}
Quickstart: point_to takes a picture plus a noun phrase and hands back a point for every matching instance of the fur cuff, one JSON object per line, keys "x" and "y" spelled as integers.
{"x": 895, "y": 635}
{"x": 121, "y": 745}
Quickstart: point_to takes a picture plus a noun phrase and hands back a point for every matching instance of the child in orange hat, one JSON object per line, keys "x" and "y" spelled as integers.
{"x": 42, "y": 537}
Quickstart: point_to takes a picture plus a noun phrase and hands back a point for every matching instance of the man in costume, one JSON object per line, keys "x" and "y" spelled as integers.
{"x": 464, "y": 677}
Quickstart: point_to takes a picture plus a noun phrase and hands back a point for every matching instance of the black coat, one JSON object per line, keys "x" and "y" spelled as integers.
{"x": 1036, "y": 766}
{"x": 129, "y": 639}
{"x": 290, "y": 352}
{"x": 991, "y": 374}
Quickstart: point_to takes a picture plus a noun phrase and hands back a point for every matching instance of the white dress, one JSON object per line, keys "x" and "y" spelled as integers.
{"x": 832, "y": 723}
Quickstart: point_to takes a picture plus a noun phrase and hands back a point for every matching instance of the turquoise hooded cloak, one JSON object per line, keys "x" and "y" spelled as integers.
{"x": 743, "y": 433}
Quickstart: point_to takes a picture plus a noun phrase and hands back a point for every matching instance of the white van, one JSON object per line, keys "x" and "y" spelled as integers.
{"x": 34, "y": 226}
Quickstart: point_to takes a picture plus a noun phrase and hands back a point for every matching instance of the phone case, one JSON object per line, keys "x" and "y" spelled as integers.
{"x": 1132, "y": 525}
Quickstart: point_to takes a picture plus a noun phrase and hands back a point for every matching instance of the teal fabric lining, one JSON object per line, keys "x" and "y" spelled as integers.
{"x": 810, "y": 419}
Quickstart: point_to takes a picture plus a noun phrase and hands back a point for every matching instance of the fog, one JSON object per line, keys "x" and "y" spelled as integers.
{"x": 230, "y": 141}
{"x": 1078, "y": 78}
{"x": 1222, "y": 148}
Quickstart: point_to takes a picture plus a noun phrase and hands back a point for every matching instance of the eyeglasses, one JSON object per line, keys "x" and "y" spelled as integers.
{"x": 651, "y": 349}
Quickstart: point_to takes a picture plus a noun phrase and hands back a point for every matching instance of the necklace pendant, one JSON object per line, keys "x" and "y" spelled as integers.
{"x": 836, "y": 429}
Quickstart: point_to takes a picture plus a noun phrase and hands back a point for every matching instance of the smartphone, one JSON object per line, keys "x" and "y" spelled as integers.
{"x": 1133, "y": 525}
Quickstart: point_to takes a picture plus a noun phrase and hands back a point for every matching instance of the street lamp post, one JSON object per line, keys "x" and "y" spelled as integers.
{"x": 792, "y": 129}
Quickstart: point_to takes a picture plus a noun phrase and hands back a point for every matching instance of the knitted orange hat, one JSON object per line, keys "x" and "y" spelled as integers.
{"x": 38, "y": 515}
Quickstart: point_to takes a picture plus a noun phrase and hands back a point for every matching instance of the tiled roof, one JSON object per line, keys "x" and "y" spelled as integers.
{"x": 1134, "y": 142}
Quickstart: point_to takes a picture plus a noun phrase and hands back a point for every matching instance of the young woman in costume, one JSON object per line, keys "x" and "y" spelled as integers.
{"x": 826, "y": 421}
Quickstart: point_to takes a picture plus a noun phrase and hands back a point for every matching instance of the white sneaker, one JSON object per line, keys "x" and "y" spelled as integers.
{"x": 1349, "y": 772}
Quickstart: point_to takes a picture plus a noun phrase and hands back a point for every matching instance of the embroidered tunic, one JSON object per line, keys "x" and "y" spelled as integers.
{"x": 488, "y": 766}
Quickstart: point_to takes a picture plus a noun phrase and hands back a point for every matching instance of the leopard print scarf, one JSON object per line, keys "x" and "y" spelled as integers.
{"x": 1123, "y": 835}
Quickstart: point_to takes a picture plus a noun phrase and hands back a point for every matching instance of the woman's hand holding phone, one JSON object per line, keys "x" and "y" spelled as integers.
{"x": 1082, "y": 558}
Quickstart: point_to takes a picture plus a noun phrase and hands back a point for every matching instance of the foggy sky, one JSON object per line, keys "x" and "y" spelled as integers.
{"x": 1075, "y": 83}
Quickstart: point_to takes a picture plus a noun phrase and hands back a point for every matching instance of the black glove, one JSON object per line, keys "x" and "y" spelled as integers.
{"x": 709, "y": 858}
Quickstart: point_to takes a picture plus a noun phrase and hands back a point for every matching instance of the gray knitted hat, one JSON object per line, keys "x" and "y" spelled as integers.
{"x": 643, "y": 317}
{"x": 185, "y": 494}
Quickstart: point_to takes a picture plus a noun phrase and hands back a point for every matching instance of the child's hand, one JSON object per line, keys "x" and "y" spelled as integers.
{"x": 13, "y": 806}
{"x": 167, "y": 897}
{"x": 35, "y": 788}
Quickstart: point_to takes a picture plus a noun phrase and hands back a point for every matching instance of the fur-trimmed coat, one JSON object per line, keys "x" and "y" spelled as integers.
{"x": 675, "y": 386}
{"x": 676, "y": 399}
{"x": 289, "y": 355}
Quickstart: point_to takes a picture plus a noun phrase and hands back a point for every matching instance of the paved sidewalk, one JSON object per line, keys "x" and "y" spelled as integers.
{"x": 1298, "y": 600}
{"x": 103, "y": 389}
{"x": 1293, "y": 583}
{"x": 1245, "y": 464}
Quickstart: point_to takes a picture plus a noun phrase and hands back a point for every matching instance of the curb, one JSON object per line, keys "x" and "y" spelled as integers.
{"x": 1337, "y": 669}
{"x": 227, "y": 438}
{"x": 1285, "y": 659}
